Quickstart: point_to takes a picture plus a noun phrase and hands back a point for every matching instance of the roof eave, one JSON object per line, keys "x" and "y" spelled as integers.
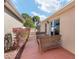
{"x": 8, "y": 5}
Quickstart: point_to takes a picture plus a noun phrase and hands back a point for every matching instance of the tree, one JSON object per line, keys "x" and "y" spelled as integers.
{"x": 25, "y": 16}
{"x": 29, "y": 23}
{"x": 36, "y": 20}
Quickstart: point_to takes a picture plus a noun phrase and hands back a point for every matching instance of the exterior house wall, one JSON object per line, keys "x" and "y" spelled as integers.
{"x": 42, "y": 27}
{"x": 67, "y": 29}
{"x": 48, "y": 28}
{"x": 10, "y": 22}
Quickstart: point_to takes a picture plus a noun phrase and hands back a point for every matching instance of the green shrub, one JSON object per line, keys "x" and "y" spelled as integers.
{"x": 29, "y": 23}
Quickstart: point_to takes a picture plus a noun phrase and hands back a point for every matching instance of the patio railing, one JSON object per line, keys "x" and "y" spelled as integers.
{"x": 46, "y": 42}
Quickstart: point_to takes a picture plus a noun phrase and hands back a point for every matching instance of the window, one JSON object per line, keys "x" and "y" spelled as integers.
{"x": 55, "y": 27}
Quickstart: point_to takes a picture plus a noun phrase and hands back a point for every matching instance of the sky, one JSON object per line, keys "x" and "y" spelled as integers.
{"x": 41, "y": 8}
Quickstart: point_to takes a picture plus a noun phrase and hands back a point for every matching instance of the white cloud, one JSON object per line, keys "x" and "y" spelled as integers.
{"x": 49, "y": 5}
{"x": 42, "y": 17}
{"x": 14, "y": 1}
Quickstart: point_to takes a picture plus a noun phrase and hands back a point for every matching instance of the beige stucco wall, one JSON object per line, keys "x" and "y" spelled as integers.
{"x": 49, "y": 28}
{"x": 42, "y": 27}
{"x": 67, "y": 29}
{"x": 10, "y": 22}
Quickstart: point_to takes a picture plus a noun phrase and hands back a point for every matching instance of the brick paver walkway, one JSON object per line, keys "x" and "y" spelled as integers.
{"x": 31, "y": 51}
